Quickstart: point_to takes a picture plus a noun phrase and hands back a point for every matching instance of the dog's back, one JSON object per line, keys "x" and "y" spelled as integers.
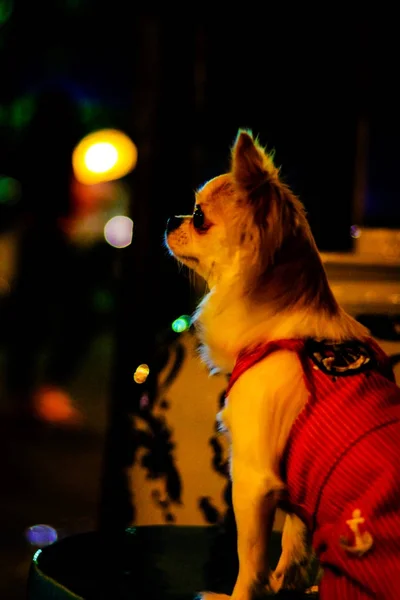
{"x": 342, "y": 459}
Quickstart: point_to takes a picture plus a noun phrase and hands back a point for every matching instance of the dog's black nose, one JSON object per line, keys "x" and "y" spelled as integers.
{"x": 173, "y": 223}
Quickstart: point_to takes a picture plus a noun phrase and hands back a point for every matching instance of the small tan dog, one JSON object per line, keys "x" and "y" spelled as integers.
{"x": 248, "y": 237}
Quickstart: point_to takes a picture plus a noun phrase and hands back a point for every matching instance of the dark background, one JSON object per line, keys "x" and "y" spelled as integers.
{"x": 183, "y": 82}
{"x": 180, "y": 83}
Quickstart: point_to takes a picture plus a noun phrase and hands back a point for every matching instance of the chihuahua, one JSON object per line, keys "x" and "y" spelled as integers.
{"x": 312, "y": 411}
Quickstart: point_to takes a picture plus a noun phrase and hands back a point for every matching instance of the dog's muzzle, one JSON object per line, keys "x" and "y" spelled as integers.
{"x": 173, "y": 223}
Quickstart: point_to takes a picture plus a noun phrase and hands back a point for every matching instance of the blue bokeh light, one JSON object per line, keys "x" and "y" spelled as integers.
{"x": 41, "y": 535}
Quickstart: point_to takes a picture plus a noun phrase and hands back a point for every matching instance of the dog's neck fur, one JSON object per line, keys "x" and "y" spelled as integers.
{"x": 229, "y": 319}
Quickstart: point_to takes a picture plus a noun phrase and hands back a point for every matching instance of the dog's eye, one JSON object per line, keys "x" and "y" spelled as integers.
{"x": 198, "y": 218}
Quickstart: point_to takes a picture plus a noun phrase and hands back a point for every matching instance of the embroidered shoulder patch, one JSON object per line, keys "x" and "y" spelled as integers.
{"x": 348, "y": 358}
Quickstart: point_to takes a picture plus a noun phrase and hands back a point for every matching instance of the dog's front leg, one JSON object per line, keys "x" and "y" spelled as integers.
{"x": 255, "y": 500}
{"x": 294, "y": 568}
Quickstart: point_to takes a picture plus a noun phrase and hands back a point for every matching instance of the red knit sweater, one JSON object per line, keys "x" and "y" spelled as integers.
{"x": 342, "y": 464}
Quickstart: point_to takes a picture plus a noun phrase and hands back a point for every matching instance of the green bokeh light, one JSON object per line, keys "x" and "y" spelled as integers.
{"x": 10, "y": 190}
{"x": 6, "y": 8}
{"x": 22, "y": 111}
{"x": 181, "y": 324}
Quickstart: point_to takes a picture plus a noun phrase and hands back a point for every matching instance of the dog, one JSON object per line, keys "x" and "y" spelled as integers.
{"x": 312, "y": 410}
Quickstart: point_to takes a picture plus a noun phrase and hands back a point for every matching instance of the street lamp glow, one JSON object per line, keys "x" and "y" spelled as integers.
{"x": 103, "y": 155}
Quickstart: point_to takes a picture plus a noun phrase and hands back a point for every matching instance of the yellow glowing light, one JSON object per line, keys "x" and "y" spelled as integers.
{"x": 103, "y": 155}
{"x": 141, "y": 373}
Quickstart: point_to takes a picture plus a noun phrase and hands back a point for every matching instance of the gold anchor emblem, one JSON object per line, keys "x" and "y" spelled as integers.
{"x": 362, "y": 541}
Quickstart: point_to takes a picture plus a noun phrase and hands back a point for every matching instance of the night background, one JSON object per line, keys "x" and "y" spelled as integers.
{"x": 320, "y": 87}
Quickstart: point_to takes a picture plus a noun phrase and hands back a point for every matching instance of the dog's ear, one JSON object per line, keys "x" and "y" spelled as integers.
{"x": 251, "y": 166}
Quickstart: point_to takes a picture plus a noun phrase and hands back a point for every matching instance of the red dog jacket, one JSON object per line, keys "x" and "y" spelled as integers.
{"x": 342, "y": 464}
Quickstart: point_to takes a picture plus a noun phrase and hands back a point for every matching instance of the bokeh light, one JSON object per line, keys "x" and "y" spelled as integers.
{"x": 144, "y": 401}
{"x": 355, "y": 231}
{"x": 10, "y": 190}
{"x": 103, "y": 155}
{"x": 41, "y": 535}
{"x": 55, "y": 406}
{"x": 6, "y": 8}
{"x": 141, "y": 373}
{"x": 22, "y": 111}
{"x": 181, "y": 324}
{"x": 36, "y": 555}
{"x": 118, "y": 231}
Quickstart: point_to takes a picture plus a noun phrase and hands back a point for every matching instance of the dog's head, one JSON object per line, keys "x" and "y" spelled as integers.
{"x": 241, "y": 222}
{"x": 249, "y": 238}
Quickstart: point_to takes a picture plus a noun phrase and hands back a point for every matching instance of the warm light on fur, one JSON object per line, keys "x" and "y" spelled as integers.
{"x": 260, "y": 262}
{"x": 250, "y": 241}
